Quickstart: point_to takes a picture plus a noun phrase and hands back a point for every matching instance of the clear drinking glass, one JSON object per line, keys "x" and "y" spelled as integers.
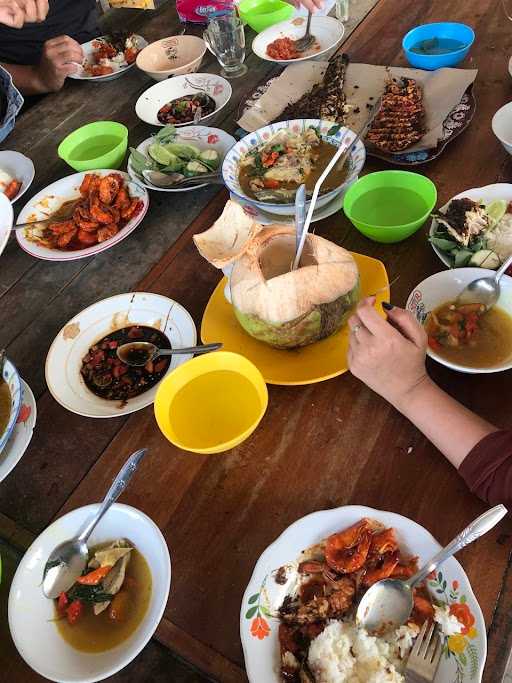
{"x": 342, "y": 10}
{"x": 226, "y": 39}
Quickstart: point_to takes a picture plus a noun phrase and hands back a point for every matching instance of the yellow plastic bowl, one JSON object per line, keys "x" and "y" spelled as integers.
{"x": 212, "y": 403}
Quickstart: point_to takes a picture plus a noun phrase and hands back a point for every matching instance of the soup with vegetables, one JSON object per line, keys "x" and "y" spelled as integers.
{"x": 469, "y": 335}
{"x": 108, "y": 602}
{"x": 5, "y": 406}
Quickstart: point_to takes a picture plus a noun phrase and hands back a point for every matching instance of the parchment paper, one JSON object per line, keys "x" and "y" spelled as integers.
{"x": 364, "y": 83}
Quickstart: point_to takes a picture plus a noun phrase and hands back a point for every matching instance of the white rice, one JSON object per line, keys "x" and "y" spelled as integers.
{"x": 500, "y": 239}
{"x": 449, "y": 623}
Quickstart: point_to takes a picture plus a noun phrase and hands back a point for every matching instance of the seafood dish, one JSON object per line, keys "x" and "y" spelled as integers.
{"x": 469, "y": 334}
{"x": 5, "y": 406}
{"x": 9, "y": 185}
{"x": 400, "y": 121}
{"x": 112, "y": 53}
{"x": 326, "y": 100}
{"x": 103, "y": 208}
{"x": 473, "y": 233}
{"x": 286, "y": 49}
{"x": 287, "y": 160}
{"x": 108, "y": 602}
{"x": 318, "y": 637}
{"x": 108, "y": 377}
{"x": 183, "y": 109}
{"x": 166, "y": 155}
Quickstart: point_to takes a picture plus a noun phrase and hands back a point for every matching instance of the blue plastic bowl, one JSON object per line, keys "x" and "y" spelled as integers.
{"x": 444, "y": 29}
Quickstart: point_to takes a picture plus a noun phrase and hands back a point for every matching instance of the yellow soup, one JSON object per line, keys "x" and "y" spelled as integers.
{"x": 5, "y": 406}
{"x": 93, "y": 633}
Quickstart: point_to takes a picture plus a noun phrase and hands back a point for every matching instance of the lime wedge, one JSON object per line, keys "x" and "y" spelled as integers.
{"x": 496, "y": 210}
{"x": 159, "y": 153}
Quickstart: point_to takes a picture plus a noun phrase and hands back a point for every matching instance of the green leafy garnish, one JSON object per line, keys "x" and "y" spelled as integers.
{"x": 90, "y": 594}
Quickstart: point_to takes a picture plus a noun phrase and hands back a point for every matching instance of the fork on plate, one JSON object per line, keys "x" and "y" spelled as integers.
{"x": 425, "y": 655}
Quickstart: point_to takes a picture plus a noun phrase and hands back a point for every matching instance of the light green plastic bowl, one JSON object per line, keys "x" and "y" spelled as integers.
{"x": 101, "y": 144}
{"x": 260, "y": 14}
{"x": 389, "y": 206}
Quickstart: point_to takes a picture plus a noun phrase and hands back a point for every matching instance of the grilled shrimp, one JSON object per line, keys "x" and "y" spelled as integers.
{"x": 346, "y": 552}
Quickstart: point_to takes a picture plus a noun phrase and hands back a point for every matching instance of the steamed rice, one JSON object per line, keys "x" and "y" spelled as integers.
{"x": 500, "y": 238}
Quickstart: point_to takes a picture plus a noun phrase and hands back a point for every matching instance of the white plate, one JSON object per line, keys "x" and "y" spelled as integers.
{"x": 22, "y": 433}
{"x": 31, "y": 615}
{"x": 20, "y": 168}
{"x": 47, "y": 201}
{"x": 267, "y": 218}
{"x": 261, "y": 645}
{"x": 119, "y": 71}
{"x": 201, "y": 136}
{"x": 488, "y": 193}
{"x": 153, "y": 99}
{"x": 72, "y": 343}
{"x": 6, "y": 220}
{"x": 328, "y": 32}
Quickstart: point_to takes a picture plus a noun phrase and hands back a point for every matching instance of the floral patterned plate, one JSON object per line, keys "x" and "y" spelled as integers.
{"x": 22, "y": 433}
{"x": 464, "y": 655}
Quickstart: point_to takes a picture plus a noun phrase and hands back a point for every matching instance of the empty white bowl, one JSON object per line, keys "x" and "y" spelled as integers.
{"x": 502, "y": 126}
{"x": 31, "y": 614}
{"x": 172, "y": 57}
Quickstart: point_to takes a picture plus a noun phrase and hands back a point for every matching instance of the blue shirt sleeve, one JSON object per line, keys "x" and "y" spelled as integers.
{"x": 14, "y": 103}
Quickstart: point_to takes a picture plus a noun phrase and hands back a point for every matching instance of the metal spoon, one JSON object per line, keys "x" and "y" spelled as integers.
{"x": 302, "y": 44}
{"x": 300, "y": 214}
{"x": 160, "y": 179}
{"x": 484, "y": 290}
{"x": 140, "y": 353}
{"x": 69, "y": 559}
{"x": 389, "y": 603}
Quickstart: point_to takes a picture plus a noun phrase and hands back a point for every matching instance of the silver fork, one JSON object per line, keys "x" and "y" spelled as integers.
{"x": 302, "y": 44}
{"x": 425, "y": 655}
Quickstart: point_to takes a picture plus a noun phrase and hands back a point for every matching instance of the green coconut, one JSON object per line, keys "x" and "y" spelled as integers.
{"x": 282, "y": 307}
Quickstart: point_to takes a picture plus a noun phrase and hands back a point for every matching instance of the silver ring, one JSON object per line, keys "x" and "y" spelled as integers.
{"x": 356, "y": 328}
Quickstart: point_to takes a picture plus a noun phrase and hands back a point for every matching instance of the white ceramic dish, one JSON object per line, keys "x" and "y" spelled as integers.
{"x": 201, "y": 136}
{"x": 31, "y": 614}
{"x": 6, "y": 220}
{"x": 328, "y": 32}
{"x": 72, "y": 343}
{"x": 44, "y": 203}
{"x": 258, "y": 629}
{"x": 88, "y": 50}
{"x": 446, "y": 286}
{"x": 154, "y": 98}
{"x": 19, "y": 167}
{"x": 11, "y": 377}
{"x": 488, "y": 193}
{"x": 340, "y": 136}
{"x": 502, "y": 126}
{"x": 21, "y": 435}
{"x": 172, "y": 56}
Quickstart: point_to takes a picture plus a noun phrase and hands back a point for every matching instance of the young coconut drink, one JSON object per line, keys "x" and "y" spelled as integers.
{"x": 279, "y": 306}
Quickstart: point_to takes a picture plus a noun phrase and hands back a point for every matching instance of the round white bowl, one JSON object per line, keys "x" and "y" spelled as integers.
{"x": 30, "y": 613}
{"x": 502, "y": 126}
{"x": 19, "y": 167}
{"x": 328, "y": 32}
{"x": 153, "y": 99}
{"x": 342, "y": 135}
{"x": 11, "y": 376}
{"x": 446, "y": 286}
{"x": 6, "y": 220}
{"x": 172, "y": 56}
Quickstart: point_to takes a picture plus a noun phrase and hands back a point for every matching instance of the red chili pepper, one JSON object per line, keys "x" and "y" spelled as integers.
{"x": 74, "y": 612}
{"x": 270, "y": 183}
{"x": 62, "y": 603}
{"x": 93, "y": 578}
{"x": 434, "y": 344}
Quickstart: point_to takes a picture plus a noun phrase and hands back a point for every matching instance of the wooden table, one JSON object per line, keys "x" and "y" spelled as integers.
{"x": 314, "y": 449}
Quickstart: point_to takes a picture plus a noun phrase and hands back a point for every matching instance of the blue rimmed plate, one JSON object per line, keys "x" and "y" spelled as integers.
{"x": 11, "y": 377}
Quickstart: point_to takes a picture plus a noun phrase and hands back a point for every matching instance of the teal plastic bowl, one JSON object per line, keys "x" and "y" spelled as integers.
{"x": 260, "y": 14}
{"x": 390, "y": 206}
{"x": 101, "y": 144}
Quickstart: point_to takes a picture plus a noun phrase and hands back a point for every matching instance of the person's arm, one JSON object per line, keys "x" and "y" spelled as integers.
{"x": 390, "y": 358}
{"x": 15, "y": 13}
{"x": 58, "y": 60}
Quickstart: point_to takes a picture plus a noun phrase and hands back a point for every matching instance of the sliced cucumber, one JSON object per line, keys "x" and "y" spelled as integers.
{"x": 485, "y": 258}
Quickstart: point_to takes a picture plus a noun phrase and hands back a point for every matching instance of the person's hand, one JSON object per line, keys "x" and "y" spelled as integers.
{"x": 15, "y": 13}
{"x": 56, "y": 62}
{"x": 388, "y": 356}
{"x": 312, "y": 5}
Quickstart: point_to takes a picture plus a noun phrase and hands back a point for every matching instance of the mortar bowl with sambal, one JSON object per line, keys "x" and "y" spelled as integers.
{"x": 466, "y": 337}
{"x": 267, "y": 167}
{"x": 109, "y": 615}
{"x": 83, "y": 370}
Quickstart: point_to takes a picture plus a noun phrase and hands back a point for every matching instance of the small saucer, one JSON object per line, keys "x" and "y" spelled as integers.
{"x": 22, "y": 434}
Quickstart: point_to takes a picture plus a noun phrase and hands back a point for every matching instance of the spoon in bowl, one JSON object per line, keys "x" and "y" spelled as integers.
{"x": 307, "y": 40}
{"x": 160, "y": 179}
{"x": 389, "y": 603}
{"x": 138, "y": 354}
{"x": 69, "y": 559}
{"x": 484, "y": 290}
